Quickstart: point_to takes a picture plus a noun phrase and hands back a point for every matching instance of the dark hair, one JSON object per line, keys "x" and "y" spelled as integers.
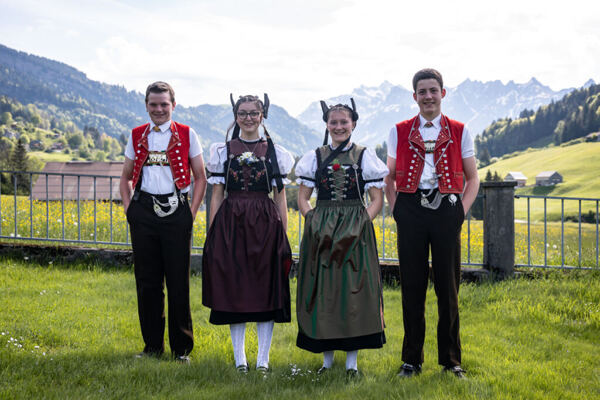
{"x": 264, "y": 108}
{"x": 427, "y": 73}
{"x": 160, "y": 87}
{"x": 248, "y": 99}
{"x": 338, "y": 107}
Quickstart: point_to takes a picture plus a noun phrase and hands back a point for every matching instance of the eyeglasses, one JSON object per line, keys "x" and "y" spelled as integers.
{"x": 244, "y": 114}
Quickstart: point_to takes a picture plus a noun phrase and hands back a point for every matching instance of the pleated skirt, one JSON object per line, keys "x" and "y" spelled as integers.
{"x": 246, "y": 262}
{"x": 339, "y": 302}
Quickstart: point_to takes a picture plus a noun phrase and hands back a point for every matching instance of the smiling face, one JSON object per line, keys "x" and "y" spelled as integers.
{"x": 248, "y": 123}
{"x": 340, "y": 126}
{"x": 159, "y": 107}
{"x": 429, "y": 95}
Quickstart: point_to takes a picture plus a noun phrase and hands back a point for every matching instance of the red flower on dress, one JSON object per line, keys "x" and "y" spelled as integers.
{"x": 336, "y": 166}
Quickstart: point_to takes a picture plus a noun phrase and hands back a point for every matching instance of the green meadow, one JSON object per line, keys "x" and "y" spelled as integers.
{"x": 577, "y": 163}
{"x": 70, "y": 332}
{"x": 48, "y": 221}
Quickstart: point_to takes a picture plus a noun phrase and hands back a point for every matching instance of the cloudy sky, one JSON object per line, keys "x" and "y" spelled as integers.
{"x": 301, "y": 51}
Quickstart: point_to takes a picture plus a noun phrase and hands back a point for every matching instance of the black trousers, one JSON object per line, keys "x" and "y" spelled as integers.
{"x": 419, "y": 230}
{"x": 161, "y": 253}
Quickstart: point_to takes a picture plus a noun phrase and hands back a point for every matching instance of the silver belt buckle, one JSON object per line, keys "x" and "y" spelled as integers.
{"x": 172, "y": 203}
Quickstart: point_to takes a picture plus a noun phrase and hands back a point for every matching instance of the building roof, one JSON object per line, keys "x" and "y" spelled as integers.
{"x": 516, "y": 175}
{"x": 546, "y": 174}
{"x": 101, "y": 171}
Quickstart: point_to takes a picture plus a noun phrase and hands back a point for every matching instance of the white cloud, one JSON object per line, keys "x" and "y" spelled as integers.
{"x": 300, "y": 51}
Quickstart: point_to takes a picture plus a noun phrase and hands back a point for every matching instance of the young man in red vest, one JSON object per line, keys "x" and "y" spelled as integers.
{"x": 431, "y": 185}
{"x": 154, "y": 187}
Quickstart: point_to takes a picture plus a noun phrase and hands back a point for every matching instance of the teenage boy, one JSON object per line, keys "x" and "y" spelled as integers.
{"x": 431, "y": 185}
{"x": 154, "y": 187}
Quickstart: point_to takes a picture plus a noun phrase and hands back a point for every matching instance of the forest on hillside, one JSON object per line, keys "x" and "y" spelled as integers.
{"x": 574, "y": 116}
{"x": 24, "y": 129}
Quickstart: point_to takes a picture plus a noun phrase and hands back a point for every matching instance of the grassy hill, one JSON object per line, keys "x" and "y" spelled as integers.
{"x": 578, "y": 163}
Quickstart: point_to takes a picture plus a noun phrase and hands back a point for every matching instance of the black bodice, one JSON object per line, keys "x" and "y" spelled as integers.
{"x": 247, "y": 167}
{"x": 342, "y": 178}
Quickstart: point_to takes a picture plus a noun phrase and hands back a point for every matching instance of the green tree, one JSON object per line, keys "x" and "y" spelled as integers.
{"x": 6, "y": 149}
{"x": 381, "y": 151}
{"x": 484, "y": 156}
{"x": 75, "y": 140}
{"x": 20, "y": 163}
{"x": 488, "y": 176}
{"x": 6, "y": 118}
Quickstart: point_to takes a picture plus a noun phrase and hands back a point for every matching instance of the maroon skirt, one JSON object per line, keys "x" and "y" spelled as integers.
{"x": 246, "y": 261}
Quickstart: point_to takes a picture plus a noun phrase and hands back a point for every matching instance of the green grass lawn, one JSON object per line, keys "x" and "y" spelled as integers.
{"x": 71, "y": 332}
{"x": 47, "y": 157}
{"x": 578, "y": 164}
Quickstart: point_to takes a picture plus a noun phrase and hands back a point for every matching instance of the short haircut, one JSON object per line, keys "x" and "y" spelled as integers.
{"x": 427, "y": 73}
{"x": 160, "y": 87}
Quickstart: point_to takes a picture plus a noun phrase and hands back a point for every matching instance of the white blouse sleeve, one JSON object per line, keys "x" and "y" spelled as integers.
{"x": 373, "y": 170}
{"x": 286, "y": 161}
{"x": 215, "y": 164}
{"x": 392, "y": 143}
{"x": 306, "y": 168}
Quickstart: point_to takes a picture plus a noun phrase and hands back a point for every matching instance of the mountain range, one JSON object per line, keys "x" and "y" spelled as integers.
{"x": 64, "y": 91}
{"x": 475, "y": 103}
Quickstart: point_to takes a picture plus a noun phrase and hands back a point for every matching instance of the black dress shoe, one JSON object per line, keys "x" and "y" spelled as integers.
{"x": 408, "y": 370}
{"x": 147, "y": 354}
{"x": 457, "y": 371}
{"x": 182, "y": 359}
{"x": 352, "y": 373}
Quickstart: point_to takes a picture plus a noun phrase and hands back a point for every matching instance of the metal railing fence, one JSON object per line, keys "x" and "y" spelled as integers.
{"x": 85, "y": 209}
{"x": 557, "y": 226}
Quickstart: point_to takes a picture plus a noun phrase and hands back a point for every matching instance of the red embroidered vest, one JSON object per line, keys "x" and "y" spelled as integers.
{"x": 177, "y": 152}
{"x": 409, "y": 166}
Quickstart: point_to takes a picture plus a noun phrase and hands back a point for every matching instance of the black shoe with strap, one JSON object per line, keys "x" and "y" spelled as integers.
{"x": 457, "y": 371}
{"x": 242, "y": 369}
{"x": 322, "y": 370}
{"x": 352, "y": 374}
{"x": 407, "y": 370}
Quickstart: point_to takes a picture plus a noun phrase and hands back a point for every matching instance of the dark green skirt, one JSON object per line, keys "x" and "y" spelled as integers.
{"x": 339, "y": 303}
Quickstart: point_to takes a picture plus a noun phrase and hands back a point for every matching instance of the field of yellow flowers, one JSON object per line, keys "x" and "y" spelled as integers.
{"x": 104, "y": 224}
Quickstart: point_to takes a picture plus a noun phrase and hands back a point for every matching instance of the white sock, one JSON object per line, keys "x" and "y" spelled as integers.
{"x": 352, "y": 360}
{"x": 264, "y": 331}
{"x": 328, "y": 359}
{"x": 238, "y": 335}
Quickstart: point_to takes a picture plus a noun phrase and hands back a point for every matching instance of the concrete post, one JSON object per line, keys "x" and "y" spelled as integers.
{"x": 499, "y": 227}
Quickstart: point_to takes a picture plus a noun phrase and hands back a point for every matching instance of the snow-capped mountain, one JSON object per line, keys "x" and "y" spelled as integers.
{"x": 475, "y": 103}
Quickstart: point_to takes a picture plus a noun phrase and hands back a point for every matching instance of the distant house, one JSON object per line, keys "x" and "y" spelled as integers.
{"x": 516, "y": 176}
{"x": 548, "y": 178}
{"x": 57, "y": 146}
{"x": 593, "y": 137}
{"x": 55, "y": 188}
{"x": 36, "y": 145}
{"x": 9, "y": 134}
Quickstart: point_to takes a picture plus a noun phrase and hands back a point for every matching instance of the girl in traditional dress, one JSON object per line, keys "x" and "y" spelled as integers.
{"x": 247, "y": 256}
{"x": 339, "y": 301}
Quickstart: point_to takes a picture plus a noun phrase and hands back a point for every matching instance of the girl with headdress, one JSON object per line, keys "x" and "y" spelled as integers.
{"x": 247, "y": 257}
{"x": 339, "y": 302}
